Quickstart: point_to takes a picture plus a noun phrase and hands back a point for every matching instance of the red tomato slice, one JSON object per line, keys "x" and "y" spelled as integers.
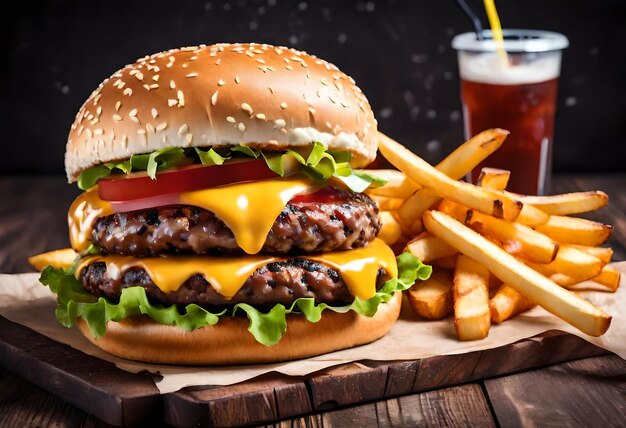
{"x": 140, "y": 186}
{"x": 324, "y": 195}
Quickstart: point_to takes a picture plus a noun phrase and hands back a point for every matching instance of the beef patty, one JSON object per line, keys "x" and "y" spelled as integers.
{"x": 278, "y": 282}
{"x": 348, "y": 221}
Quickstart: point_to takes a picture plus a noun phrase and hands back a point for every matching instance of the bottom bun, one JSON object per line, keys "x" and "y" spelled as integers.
{"x": 229, "y": 342}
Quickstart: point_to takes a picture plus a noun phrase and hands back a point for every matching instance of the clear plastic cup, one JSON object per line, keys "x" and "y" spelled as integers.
{"x": 517, "y": 93}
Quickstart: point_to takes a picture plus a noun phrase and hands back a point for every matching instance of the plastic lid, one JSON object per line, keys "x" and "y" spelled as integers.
{"x": 514, "y": 41}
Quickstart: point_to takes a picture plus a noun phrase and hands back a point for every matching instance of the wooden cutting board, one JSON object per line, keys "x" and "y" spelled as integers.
{"x": 121, "y": 398}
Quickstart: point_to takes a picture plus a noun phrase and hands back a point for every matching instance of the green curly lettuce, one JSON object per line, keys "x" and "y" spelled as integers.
{"x": 319, "y": 164}
{"x": 267, "y": 328}
{"x": 151, "y": 163}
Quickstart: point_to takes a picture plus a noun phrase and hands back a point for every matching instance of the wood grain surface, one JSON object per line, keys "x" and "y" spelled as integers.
{"x": 586, "y": 392}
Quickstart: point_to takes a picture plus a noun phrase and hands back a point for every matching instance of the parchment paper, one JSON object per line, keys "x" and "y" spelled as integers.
{"x": 23, "y": 300}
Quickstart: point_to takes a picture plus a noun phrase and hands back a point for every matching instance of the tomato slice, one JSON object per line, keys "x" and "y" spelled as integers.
{"x": 324, "y": 195}
{"x": 183, "y": 179}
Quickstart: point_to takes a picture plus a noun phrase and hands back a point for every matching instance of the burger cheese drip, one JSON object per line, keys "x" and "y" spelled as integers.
{"x": 248, "y": 209}
{"x": 358, "y": 268}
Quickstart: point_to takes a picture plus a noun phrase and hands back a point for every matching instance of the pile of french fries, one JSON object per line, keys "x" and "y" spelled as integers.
{"x": 495, "y": 254}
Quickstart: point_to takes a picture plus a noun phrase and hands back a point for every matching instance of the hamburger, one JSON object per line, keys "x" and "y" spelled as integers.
{"x": 222, "y": 220}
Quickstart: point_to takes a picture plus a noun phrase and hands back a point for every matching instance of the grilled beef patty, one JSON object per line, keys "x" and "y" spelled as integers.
{"x": 279, "y": 282}
{"x": 348, "y": 221}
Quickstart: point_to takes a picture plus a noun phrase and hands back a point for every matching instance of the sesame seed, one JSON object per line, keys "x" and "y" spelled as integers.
{"x": 241, "y": 127}
{"x": 154, "y": 113}
{"x": 99, "y": 110}
{"x": 312, "y": 111}
{"x": 133, "y": 72}
{"x": 283, "y": 105}
{"x": 128, "y": 92}
{"x": 118, "y": 105}
{"x": 214, "y": 98}
{"x": 134, "y": 119}
{"x": 260, "y": 116}
{"x": 154, "y": 86}
{"x": 332, "y": 98}
{"x": 328, "y": 125}
{"x": 260, "y": 61}
{"x": 250, "y": 54}
{"x": 185, "y": 65}
{"x": 183, "y": 129}
{"x": 98, "y": 131}
{"x": 280, "y": 123}
{"x": 117, "y": 117}
{"x": 171, "y": 102}
{"x": 246, "y": 107}
{"x": 288, "y": 67}
{"x": 237, "y": 79}
{"x": 219, "y": 60}
{"x": 189, "y": 138}
{"x": 193, "y": 74}
{"x": 89, "y": 132}
{"x": 141, "y": 131}
{"x": 230, "y": 119}
{"x": 147, "y": 87}
{"x": 270, "y": 89}
{"x": 324, "y": 81}
{"x": 133, "y": 112}
{"x": 155, "y": 77}
{"x": 161, "y": 126}
{"x": 220, "y": 82}
{"x": 172, "y": 84}
{"x": 150, "y": 128}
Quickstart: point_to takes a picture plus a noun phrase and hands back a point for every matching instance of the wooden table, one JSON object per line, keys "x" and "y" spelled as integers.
{"x": 585, "y": 392}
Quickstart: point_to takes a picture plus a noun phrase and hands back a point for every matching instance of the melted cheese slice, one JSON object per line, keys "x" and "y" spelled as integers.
{"x": 248, "y": 209}
{"x": 358, "y": 268}
{"x": 82, "y": 215}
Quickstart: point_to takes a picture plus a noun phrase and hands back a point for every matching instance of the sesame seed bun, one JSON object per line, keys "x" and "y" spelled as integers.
{"x": 210, "y": 96}
{"x": 229, "y": 342}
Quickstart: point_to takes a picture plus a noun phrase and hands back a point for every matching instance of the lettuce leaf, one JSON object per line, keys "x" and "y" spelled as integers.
{"x": 151, "y": 162}
{"x": 319, "y": 164}
{"x": 267, "y": 328}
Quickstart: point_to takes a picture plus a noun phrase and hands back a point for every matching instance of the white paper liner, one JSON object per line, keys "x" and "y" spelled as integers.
{"x": 25, "y": 301}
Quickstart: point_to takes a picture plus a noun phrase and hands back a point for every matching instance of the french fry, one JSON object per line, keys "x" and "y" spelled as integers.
{"x": 453, "y": 209}
{"x": 580, "y": 264}
{"x": 531, "y": 284}
{"x": 493, "y": 178}
{"x": 60, "y": 259}
{"x": 603, "y": 253}
{"x": 609, "y": 277}
{"x": 432, "y": 299}
{"x": 391, "y": 230}
{"x": 387, "y": 204}
{"x": 429, "y": 248}
{"x": 411, "y": 211}
{"x": 487, "y": 201}
{"x": 456, "y": 165}
{"x": 469, "y": 154}
{"x": 528, "y": 243}
{"x": 398, "y": 185}
{"x": 531, "y": 216}
{"x": 573, "y": 230}
{"x": 568, "y": 203}
{"x": 471, "y": 299}
{"x": 507, "y": 303}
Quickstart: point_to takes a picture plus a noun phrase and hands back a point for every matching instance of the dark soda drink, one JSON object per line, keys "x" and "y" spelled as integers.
{"x": 513, "y": 86}
{"x": 527, "y": 111}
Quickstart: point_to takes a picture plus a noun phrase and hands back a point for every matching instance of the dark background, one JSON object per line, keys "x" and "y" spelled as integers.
{"x": 398, "y": 52}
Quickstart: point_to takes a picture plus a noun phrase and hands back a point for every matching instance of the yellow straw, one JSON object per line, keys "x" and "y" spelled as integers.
{"x": 496, "y": 28}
